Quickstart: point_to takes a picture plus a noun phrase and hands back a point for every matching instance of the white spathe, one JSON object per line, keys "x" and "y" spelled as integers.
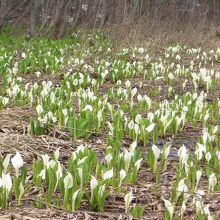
{"x": 156, "y": 151}
{"x": 212, "y": 182}
{"x": 6, "y": 162}
{"x": 122, "y": 175}
{"x": 57, "y": 154}
{"x": 68, "y": 181}
{"x": 138, "y": 164}
{"x": 150, "y": 128}
{"x": 93, "y": 183}
{"x": 169, "y": 207}
{"x": 128, "y": 198}
{"x": 6, "y": 182}
{"x": 17, "y": 162}
{"x": 127, "y": 159}
{"x": 198, "y": 176}
{"x": 108, "y": 158}
{"x": 108, "y": 174}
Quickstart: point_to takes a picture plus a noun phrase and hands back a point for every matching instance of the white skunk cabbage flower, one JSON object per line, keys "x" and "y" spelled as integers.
{"x": 208, "y": 156}
{"x": 6, "y": 162}
{"x": 68, "y": 181}
{"x": 17, "y": 162}
{"x": 74, "y": 197}
{"x": 212, "y": 182}
{"x": 5, "y": 101}
{"x": 138, "y": 118}
{"x": 148, "y": 101}
{"x": 6, "y": 182}
{"x": 57, "y": 154}
{"x": 80, "y": 173}
{"x": 59, "y": 172}
{"x": 199, "y": 207}
{"x": 150, "y": 128}
{"x": 139, "y": 98}
{"x": 131, "y": 125}
{"x": 182, "y": 153}
{"x": 207, "y": 211}
{"x": 133, "y": 92}
{"x": 39, "y": 109}
{"x": 108, "y": 158}
{"x": 200, "y": 148}
{"x": 111, "y": 129}
{"x": 183, "y": 208}
{"x": 108, "y": 174}
{"x": 93, "y": 183}
{"x": 198, "y": 176}
{"x": 88, "y": 107}
{"x": 156, "y": 151}
{"x": 169, "y": 207}
{"x": 45, "y": 159}
{"x": 133, "y": 146}
{"x": 128, "y": 198}
{"x": 182, "y": 188}
{"x": 99, "y": 116}
{"x": 51, "y": 164}
{"x": 128, "y": 84}
{"x": 136, "y": 129}
{"x": 122, "y": 175}
{"x": 101, "y": 191}
{"x": 167, "y": 151}
{"x": 82, "y": 161}
{"x": 138, "y": 164}
{"x": 42, "y": 174}
{"x": 127, "y": 159}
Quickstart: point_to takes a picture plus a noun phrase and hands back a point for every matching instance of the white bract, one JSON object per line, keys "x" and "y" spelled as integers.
{"x": 133, "y": 146}
{"x": 198, "y": 177}
{"x": 39, "y": 109}
{"x": 208, "y": 156}
{"x": 42, "y": 174}
{"x": 17, "y": 162}
{"x": 122, "y": 175}
{"x": 101, "y": 191}
{"x": 6, "y": 162}
{"x": 167, "y": 151}
{"x": 108, "y": 174}
{"x": 150, "y": 128}
{"x": 182, "y": 188}
{"x": 108, "y": 158}
{"x": 127, "y": 159}
{"x": 169, "y": 207}
{"x": 183, "y": 155}
{"x": 212, "y": 182}
{"x": 6, "y": 182}
{"x": 45, "y": 159}
{"x": 68, "y": 181}
{"x": 57, "y": 154}
{"x": 128, "y": 198}
{"x": 93, "y": 183}
{"x": 156, "y": 152}
{"x": 88, "y": 107}
{"x": 138, "y": 118}
{"x": 138, "y": 164}
{"x": 74, "y": 197}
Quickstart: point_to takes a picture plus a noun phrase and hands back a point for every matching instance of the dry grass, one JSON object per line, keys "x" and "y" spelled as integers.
{"x": 158, "y": 35}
